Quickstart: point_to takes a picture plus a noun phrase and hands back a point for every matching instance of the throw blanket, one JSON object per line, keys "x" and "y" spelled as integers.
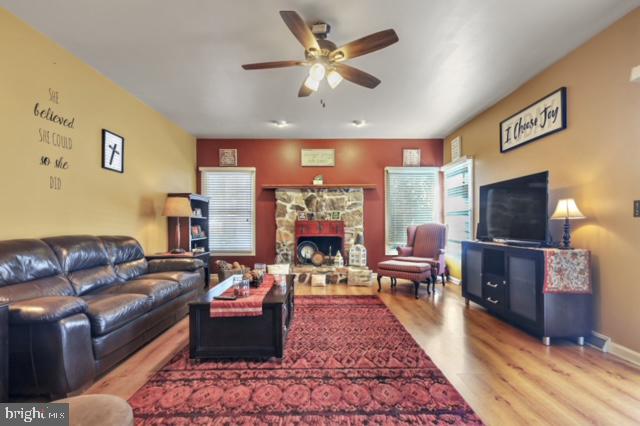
{"x": 243, "y": 307}
{"x": 567, "y": 271}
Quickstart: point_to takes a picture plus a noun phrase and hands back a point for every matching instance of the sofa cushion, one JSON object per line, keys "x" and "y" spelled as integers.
{"x": 158, "y": 291}
{"x": 29, "y": 269}
{"x": 396, "y": 265}
{"x": 85, "y": 260}
{"x": 26, "y": 260}
{"x": 126, "y": 255}
{"x": 177, "y": 264}
{"x": 107, "y": 312}
{"x": 45, "y": 309}
{"x": 56, "y": 285}
{"x": 188, "y": 280}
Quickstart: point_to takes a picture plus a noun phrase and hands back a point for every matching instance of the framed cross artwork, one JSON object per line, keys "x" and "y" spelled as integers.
{"x": 112, "y": 151}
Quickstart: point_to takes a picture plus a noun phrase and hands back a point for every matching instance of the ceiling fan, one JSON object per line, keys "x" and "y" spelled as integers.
{"x": 324, "y": 58}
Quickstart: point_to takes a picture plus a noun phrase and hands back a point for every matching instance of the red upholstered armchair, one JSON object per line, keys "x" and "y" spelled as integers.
{"x": 426, "y": 244}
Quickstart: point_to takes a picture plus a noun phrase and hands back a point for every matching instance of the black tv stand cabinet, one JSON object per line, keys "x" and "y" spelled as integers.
{"x": 508, "y": 281}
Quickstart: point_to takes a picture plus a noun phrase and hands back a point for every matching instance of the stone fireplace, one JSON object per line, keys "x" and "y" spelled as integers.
{"x": 323, "y": 203}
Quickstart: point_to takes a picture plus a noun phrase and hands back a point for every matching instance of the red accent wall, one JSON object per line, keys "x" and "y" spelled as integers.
{"x": 277, "y": 161}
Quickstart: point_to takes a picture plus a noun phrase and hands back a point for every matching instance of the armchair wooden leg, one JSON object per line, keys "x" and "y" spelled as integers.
{"x": 379, "y": 283}
{"x": 444, "y": 279}
{"x": 416, "y": 284}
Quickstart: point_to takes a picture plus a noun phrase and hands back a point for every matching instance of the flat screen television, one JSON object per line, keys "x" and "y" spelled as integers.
{"x": 515, "y": 210}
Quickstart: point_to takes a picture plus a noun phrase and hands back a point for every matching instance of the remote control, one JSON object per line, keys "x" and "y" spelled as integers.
{"x": 224, "y": 298}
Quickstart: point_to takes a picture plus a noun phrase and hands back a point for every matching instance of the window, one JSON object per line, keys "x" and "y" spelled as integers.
{"x": 411, "y": 198}
{"x": 232, "y": 209}
{"x": 458, "y": 205}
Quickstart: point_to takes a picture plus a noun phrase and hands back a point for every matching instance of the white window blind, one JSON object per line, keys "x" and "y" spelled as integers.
{"x": 232, "y": 206}
{"x": 458, "y": 205}
{"x": 412, "y": 197}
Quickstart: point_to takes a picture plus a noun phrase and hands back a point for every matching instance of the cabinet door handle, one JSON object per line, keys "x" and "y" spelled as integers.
{"x": 495, "y": 302}
{"x": 490, "y": 284}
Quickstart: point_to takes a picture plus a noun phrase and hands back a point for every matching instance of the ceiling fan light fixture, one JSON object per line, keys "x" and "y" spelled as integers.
{"x": 312, "y": 84}
{"x": 334, "y": 78}
{"x": 337, "y": 56}
{"x": 317, "y": 71}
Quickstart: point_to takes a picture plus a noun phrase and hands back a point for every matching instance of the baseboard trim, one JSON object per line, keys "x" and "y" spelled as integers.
{"x": 624, "y": 353}
{"x": 454, "y": 280}
{"x": 605, "y": 344}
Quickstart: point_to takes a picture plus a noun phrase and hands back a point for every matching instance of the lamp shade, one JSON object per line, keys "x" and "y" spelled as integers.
{"x": 177, "y": 207}
{"x": 567, "y": 209}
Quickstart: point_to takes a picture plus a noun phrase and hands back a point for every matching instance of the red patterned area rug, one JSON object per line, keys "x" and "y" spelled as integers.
{"x": 348, "y": 361}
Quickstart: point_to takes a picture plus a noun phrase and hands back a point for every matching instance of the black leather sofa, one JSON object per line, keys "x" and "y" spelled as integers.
{"x": 81, "y": 304}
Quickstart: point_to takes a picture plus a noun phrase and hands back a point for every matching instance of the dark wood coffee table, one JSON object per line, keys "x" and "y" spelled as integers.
{"x": 241, "y": 337}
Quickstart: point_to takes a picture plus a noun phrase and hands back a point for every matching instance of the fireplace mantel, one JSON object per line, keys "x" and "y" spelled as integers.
{"x": 325, "y": 186}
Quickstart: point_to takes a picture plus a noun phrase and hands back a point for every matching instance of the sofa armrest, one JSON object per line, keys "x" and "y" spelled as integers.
{"x": 405, "y": 251}
{"x": 51, "y": 358}
{"x": 45, "y": 309}
{"x": 179, "y": 264}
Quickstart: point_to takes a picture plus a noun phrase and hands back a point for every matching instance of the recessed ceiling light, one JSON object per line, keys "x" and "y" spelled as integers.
{"x": 359, "y": 123}
{"x": 280, "y": 123}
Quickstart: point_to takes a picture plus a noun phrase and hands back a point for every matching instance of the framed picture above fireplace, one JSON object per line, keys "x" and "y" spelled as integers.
{"x": 317, "y": 157}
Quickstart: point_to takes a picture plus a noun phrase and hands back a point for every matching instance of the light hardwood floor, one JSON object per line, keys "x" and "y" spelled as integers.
{"x": 506, "y": 375}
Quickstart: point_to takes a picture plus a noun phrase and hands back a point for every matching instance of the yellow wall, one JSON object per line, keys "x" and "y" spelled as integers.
{"x": 596, "y": 160}
{"x": 159, "y": 156}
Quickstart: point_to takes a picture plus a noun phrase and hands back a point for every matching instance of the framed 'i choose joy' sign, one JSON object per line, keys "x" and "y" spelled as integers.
{"x": 540, "y": 119}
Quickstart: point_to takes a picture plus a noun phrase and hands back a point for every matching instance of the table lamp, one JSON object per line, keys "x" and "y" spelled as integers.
{"x": 177, "y": 207}
{"x": 567, "y": 209}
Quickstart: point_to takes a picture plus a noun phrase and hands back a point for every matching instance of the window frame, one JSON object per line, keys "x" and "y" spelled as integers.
{"x": 469, "y": 163}
{"x": 203, "y": 171}
{"x": 437, "y": 203}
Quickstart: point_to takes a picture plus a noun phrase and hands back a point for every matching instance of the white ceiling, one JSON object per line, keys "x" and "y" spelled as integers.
{"x": 454, "y": 59}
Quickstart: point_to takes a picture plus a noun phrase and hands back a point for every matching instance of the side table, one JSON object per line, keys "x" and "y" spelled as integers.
{"x": 4, "y": 353}
{"x": 205, "y": 257}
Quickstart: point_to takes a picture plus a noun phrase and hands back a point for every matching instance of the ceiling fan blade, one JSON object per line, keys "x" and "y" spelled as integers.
{"x": 304, "y": 91}
{"x": 300, "y": 29}
{"x": 274, "y": 64}
{"x": 357, "y": 76}
{"x": 364, "y": 45}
